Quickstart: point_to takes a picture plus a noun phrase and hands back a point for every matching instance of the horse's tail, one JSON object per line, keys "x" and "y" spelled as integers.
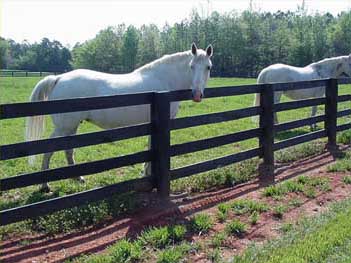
{"x": 35, "y": 124}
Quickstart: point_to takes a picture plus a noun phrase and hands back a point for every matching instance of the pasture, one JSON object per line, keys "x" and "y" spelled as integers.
{"x": 19, "y": 89}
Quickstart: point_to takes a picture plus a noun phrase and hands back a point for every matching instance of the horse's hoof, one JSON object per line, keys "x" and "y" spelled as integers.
{"x": 44, "y": 189}
{"x": 143, "y": 174}
{"x": 80, "y": 179}
{"x": 313, "y": 128}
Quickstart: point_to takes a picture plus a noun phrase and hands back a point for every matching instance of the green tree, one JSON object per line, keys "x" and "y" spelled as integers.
{"x": 4, "y": 53}
{"x": 130, "y": 48}
{"x": 149, "y": 44}
{"x": 102, "y": 53}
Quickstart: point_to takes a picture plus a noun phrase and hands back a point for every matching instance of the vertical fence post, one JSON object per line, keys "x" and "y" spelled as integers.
{"x": 331, "y": 109}
{"x": 266, "y": 169}
{"x": 160, "y": 142}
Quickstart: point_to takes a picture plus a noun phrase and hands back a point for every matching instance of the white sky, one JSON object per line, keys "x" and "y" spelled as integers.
{"x": 71, "y": 21}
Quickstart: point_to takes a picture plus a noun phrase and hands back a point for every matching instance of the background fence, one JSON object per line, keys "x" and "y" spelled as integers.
{"x": 161, "y": 150}
{"x": 24, "y": 73}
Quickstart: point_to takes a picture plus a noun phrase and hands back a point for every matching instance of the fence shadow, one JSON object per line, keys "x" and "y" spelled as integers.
{"x": 156, "y": 212}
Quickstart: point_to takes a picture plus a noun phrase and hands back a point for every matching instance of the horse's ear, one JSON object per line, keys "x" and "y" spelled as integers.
{"x": 209, "y": 50}
{"x": 193, "y": 48}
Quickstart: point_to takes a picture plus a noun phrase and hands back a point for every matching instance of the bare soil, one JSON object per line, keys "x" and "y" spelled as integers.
{"x": 178, "y": 209}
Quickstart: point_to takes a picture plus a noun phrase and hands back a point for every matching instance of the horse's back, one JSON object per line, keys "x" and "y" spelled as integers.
{"x": 284, "y": 73}
{"x": 89, "y": 83}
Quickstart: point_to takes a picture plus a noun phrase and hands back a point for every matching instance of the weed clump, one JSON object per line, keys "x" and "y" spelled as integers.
{"x": 201, "y": 223}
{"x": 236, "y": 227}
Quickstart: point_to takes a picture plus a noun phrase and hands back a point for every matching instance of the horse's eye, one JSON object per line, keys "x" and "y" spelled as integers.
{"x": 192, "y": 67}
{"x": 209, "y": 68}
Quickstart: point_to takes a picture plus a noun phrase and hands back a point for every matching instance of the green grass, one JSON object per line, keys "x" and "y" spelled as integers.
{"x": 306, "y": 184}
{"x": 342, "y": 164}
{"x": 218, "y": 239}
{"x": 346, "y": 179}
{"x": 160, "y": 237}
{"x": 223, "y": 211}
{"x": 126, "y": 251}
{"x": 279, "y": 210}
{"x": 295, "y": 202}
{"x": 254, "y": 217}
{"x": 201, "y": 223}
{"x": 12, "y": 131}
{"x": 236, "y": 227}
{"x": 326, "y": 238}
{"x": 173, "y": 254}
{"x": 242, "y": 206}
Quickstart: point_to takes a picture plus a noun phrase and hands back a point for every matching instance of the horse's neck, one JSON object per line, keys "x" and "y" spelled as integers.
{"x": 173, "y": 72}
{"x": 326, "y": 68}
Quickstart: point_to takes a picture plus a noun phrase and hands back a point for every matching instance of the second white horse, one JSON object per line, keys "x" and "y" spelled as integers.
{"x": 326, "y": 68}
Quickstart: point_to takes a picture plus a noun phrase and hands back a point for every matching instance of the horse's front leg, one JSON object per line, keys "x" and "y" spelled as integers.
{"x": 313, "y": 126}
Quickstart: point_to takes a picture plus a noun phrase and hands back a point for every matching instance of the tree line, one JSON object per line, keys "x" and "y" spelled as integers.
{"x": 244, "y": 43}
{"x": 47, "y": 55}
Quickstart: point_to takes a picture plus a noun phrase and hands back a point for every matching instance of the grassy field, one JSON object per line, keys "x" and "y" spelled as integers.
{"x": 19, "y": 89}
{"x": 326, "y": 238}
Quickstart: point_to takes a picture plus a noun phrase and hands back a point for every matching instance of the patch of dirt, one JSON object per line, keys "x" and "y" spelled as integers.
{"x": 179, "y": 209}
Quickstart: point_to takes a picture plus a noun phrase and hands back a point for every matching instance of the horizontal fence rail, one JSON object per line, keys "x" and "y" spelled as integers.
{"x": 344, "y": 113}
{"x": 344, "y": 127}
{"x": 208, "y": 143}
{"x": 26, "y": 109}
{"x": 299, "y": 123}
{"x": 74, "y": 170}
{"x": 41, "y": 208}
{"x": 74, "y": 141}
{"x": 299, "y": 139}
{"x": 217, "y": 92}
{"x": 159, "y": 130}
{"x": 292, "y": 105}
{"x": 344, "y": 81}
{"x": 213, "y": 164}
{"x": 186, "y": 122}
{"x": 299, "y": 85}
{"x": 343, "y": 98}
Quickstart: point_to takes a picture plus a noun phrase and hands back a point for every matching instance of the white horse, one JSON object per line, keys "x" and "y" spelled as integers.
{"x": 326, "y": 68}
{"x": 179, "y": 71}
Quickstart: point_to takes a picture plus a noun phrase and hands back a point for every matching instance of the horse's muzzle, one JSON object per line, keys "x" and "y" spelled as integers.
{"x": 197, "y": 95}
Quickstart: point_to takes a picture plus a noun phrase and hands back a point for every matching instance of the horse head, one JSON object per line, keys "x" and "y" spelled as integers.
{"x": 200, "y": 66}
{"x": 344, "y": 67}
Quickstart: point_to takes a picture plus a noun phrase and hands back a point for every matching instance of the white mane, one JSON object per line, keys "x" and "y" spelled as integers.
{"x": 172, "y": 59}
{"x": 328, "y": 61}
{"x": 166, "y": 59}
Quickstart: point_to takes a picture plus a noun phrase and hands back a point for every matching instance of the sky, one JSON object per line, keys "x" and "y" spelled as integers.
{"x": 72, "y": 21}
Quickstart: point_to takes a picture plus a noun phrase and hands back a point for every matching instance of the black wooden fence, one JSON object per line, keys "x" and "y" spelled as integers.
{"x": 161, "y": 150}
{"x": 24, "y": 73}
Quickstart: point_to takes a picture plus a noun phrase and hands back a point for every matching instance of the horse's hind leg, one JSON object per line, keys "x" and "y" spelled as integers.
{"x": 47, "y": 156}
{"x": 147, "y": 165}
{"x": 70, "y": 161}
{"x": 46, "y": 163}
{"x": 277, "y": 96}
{"x": 313, "y": 113}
